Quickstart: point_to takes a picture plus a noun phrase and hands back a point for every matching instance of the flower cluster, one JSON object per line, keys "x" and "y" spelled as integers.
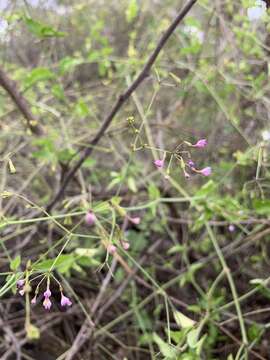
{"x": 112, "y": 249}
{"x": 47, "y": 303}
{"x": 179, "y": 154}
{"x": 90, "y": 220}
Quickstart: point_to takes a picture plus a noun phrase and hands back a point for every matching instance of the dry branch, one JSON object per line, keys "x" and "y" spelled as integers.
{"x": 12, "y": 89}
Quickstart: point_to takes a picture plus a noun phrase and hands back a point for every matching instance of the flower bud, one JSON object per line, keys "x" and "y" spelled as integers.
{"x": 200, "y": 143}
{"x": 111, "y": 249}
{"x": 90, "y": 218}
{"x": 159, "y": 163}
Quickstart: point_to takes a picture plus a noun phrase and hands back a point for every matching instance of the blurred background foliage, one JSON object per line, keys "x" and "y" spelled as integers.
{"x": 70, "y": 60}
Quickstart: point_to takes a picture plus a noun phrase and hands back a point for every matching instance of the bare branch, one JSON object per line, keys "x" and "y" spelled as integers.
{"x": 11, "y": 88}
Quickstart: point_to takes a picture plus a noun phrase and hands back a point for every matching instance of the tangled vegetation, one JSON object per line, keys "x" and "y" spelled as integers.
{"x": 134, "y": 189}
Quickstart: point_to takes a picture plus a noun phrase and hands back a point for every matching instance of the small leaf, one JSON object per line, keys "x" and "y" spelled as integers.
{"x": 206, "y": 189}
{"x": 15, "y": 263}
{"x": 132, "y": 10}
{"x": 153, "y": 192}
{"x": 38, "y": 74}
{"x": 12, "y": 168}
{"x": 102, "y": 207}
{"x": 167, "y": 350}
{"x": 182, "y": 320}
{"x": 132, "y": 184}
{"x": 63, "y": 264}
{"x": 192, "y": 338}
{"x": 58, "y": 91}
{"x": 200, "y": 344}
{"x": 41, "y": 30}
{"x": 68, "y": 63}
{"x": 262, "y": 207}
{"x": 81, "y": 109}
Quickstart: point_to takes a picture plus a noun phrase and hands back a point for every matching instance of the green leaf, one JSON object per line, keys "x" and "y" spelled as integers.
{"x": 15, "y": 263}
{"x": 191, "y": 21}
{"x": 167, "y": 350}
{"x": 58, "y": 92}
{"x": 88, "y": 163}
{"x": 200, "y": 344}
{"x": 41, "y": 30}
{"x": 192, "y": 338}
{"x": 132, "y": 184}
{"x": 63, "y": 264}
{"x": 81, "y": 109}
{"x": 102, "y": 207}
{"x": 182, "y": 320}
{"x": 65, "y": 155}
{"x": 153, "y": 192}
{"x": 262, "y": 207}
{"x": 38, "y": 74}
{"x": 68, "y": 63}
{"x": 206, "y": 189}
{"x": 132, "y": 10}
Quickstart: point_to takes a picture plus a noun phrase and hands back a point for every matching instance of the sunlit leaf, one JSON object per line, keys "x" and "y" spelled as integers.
{"x": 182, "y": 320}
{"x": 41, "y": 30}
{"x": 167, "y": 350}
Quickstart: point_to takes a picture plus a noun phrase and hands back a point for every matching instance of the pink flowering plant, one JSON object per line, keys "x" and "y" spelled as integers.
{"x": 181, "y": 155}
{"x": 134, "y": 192}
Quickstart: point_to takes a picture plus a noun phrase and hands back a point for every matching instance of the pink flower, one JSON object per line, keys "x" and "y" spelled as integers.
{"x": 47, "y": 293}
{"x": 90, "y": 218}
{"x": 206, "y": 171}
{"x": 47, "y": 303}
{"x": 65, "y": 301}
{"x": 135, "y": 220}
{"x": 231, "y": 228}
{"x": 20, "y": 283}
{"x": 200, "y": 143}
{"x": 191, "y": 164}
{"x": 125, "y": 245}
{"x": 21, "y": 292}
{"x": 159, "y": 163}
{"x": 111, "y": 249}
{"x": 34, "y": 300}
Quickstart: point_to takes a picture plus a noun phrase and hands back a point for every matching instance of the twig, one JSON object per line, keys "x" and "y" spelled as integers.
{"x": 232, "y": 286}
{"x": 234, "y": 338}
{"x": 11, "y": 88}
{"x": 121, "y": 100}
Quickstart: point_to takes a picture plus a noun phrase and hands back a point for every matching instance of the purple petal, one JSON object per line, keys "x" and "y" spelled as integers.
{"x": 47, "y": 293}
{"x": 47, "y": 303}
{"x": 65, "y": 301}
{"x": 159, "y": 163}
{"x": 201, "y": 143}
